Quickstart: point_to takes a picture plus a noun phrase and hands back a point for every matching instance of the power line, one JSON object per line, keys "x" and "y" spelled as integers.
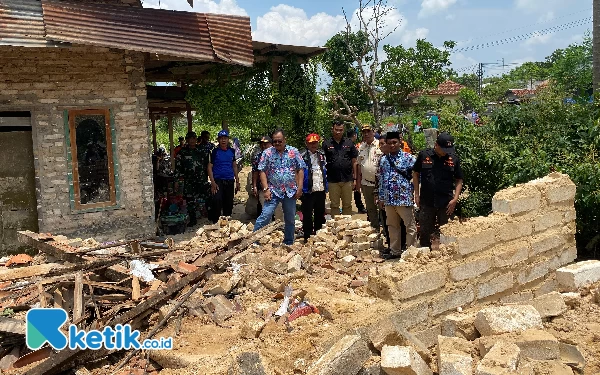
{"x": 523, "y": 37}
{"x": 530, "y": 25}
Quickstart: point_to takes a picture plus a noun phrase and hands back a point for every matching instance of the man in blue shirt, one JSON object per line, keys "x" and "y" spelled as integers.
{"x": 282, "y": 176}
{"x": 396, "y": 193}
{"x": 223, "y": 172}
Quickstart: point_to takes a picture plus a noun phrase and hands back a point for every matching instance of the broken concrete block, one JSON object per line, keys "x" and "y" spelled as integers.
{"x": 348, "y": 260}
{"x": 386, "y": 332}
{"x": 220, "y": 284}
{"x": 347, "y": 356}
{"x": 251, "y": 328}
{"x": 415, "y": 252}
{"x": 571, "y": 355}
{"x": 539, "y": 345}
{"x": 470, "y": 269}
{"x": 572, "y": 299}
{"x": 517, "y": 199}
{"x": 361, "y": 246}
{"x": 504, "y": 319}
{"x": 578, "y": 275}
{"x": 549, "y": 305}
{"x": 460, "y": 325}
{"x": 219, "y": 307}
{"x": 294, "y": 264}
{"x": 454, "y": 356}
{"x": 403, "y": 360}
{"x": 422, "y": 282}
{"x": 543, "y": 367}
{"x": 247, "y": 364}
{"x": 502, "y": 358}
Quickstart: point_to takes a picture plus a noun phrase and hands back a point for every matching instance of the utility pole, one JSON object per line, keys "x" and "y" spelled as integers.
{"x": 596, "y": 44}
{"x": 480, "y": 76}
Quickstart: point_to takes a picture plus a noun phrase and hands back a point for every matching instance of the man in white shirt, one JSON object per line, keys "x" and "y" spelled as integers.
{"x": 368, "y": 160}
{"x": 314, "y": 187}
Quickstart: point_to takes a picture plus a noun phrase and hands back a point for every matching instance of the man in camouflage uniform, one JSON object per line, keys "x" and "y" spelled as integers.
{"x": 190, "y": 169}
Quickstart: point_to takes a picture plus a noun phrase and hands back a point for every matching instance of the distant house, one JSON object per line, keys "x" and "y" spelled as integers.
{"x": 448, "y": 90}
{"x": 519, "y": 95}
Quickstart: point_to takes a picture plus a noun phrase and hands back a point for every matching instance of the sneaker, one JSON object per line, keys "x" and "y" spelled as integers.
{"x": 390, "y": 256}
{"x": 362, "y": 211}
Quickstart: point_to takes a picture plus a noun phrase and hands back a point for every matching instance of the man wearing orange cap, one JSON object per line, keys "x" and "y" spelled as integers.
{"x": 314, "y": 187}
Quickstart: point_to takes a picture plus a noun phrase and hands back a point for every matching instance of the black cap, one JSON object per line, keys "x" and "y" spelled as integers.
{"x": 191, "y": 135}
{"x": 392, "y": 135}
{"x": 446, "y": 142}
{"x": 266, "y": 139}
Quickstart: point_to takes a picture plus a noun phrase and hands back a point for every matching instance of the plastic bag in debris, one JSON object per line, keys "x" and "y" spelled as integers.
{"x": 283, "y": 308}
{"x": 142, "y": 270}
{"x": 302, "y": 309}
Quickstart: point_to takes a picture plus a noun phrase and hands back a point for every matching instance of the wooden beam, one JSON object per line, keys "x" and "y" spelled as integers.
{"x": 188, "y": 109}
{"x": 153, "y": 118}
{"x": 136, "y": 295}
{"x": 54, "y": 248}
{"x": 171, "y": 143}
{"x": 10, "y": 274}
{"x": 78, "y": 297}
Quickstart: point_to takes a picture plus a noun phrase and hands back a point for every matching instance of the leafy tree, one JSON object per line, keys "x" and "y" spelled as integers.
{"x": 572, "y": 67}
{"x": 468, "y": 80}
{"x": 470, "y": 100}
{"x": 412, "y": 69}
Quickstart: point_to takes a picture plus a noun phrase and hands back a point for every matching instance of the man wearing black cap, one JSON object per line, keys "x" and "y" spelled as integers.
{"x": 265, "y": 143}
{"x": 438, "y": 172}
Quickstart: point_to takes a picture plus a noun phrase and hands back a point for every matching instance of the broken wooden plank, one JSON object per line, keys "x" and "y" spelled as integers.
{"x": 78, "y": 297}
{"x": 56, "y": 249}
{"x": 100, "y": 285}
{"x": 13, "y": 326}
{"x": 29, "y": 271}
{"x": 136, "y": 288}
{"x": 42, "y": 292}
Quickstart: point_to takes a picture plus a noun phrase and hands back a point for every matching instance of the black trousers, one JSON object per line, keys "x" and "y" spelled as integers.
{"x": 431, "y": 219}
{"x": 358, "y": 201}
{"x": 312, "y": 204}
{"x": 223, "y": 200}
{"x": 383, "y": 222}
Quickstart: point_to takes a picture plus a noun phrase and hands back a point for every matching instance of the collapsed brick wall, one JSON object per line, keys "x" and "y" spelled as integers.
{"x": 507, "y": 256}
{"x": 47, "y": 81}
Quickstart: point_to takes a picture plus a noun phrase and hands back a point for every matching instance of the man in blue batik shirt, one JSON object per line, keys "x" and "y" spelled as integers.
{"x": 396, "y": 193}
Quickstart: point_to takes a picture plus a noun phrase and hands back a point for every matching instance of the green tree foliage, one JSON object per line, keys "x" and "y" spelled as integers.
{"x": 468, "y": 80}
{"x": 341, "y": 66}
{"x": 470, "y": 100}
{"x": 572, "y": 67}
{"x": 412, "y": 69}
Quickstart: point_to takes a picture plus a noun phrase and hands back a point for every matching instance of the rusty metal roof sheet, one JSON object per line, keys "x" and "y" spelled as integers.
{"x": 22, "y": 24}
{"x": 199, "y": 36}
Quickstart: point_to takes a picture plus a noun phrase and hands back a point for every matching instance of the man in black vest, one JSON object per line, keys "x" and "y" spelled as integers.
{"x": 438, "y": 172}
{"x": 314, "y": 187}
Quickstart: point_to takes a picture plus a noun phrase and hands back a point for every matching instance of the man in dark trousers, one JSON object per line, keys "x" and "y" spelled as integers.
{"x": 223, "y": 173}
{"x": 314, "y": 187}
{"x": 360, "y": 206}
{"x": 341, "y": 156}
{"x": 438, "y": 172}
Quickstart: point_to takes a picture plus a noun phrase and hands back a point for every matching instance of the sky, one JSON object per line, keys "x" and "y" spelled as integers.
{"x": 468, "y": 22}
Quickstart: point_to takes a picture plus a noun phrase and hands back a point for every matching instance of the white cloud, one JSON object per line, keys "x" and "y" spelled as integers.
{"x": 200, "y": 6}
{"x": 450, "y": 17}
{"x": 537, "y": 6}
{"x": 290, "y": 25}
{"x": 538, "y": 39}
{"x": 431, "y": 7}
{"x": 546, "y": 17}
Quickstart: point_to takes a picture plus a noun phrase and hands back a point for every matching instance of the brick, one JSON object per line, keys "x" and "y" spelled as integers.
{"x": 539, "y": 345}
{"x": 571, "y": 355}
{"x": 251, "y": 328}
{"x": 510, "y": 254}
{"x": 496, "y": 285}
{"x": 219, "y": 307}
{"x": 516, "y": 200}
{"x": 410, "y": 315}
{"x": 469, "y": 269}
{"x": 347, "y": 356}
{"x": 185, "y": 268}
{"x": 348, "y": 260}
{"x": 514, "y": 230}
{"x": 546, "y": 242}
{"x": 429, "y": 335}
{"x": 454, "y": 357}
{"x": 361, "y": 246}
{"x": 535, "y": 271}
{"x": 294, "y": 264}
{"x": 544, "y": 367}
{"x": 570, "y": 216}
{"x": 403, "y": 360}
{"x": 549, "y": 305}
{"x": 502, "y": 358}
{"x": 549, "y": 285}
{"x": 568, "y": 255}
{"x": 460, "y": 325}
{"x": 422, "y": 282}
{"x": 578, "y": 275}
{"x": 548, "y": 220}
{"x": 452, "y": 299}
{"x": 247, "y": 363}
{"x": 476, "y": 242}
{"x": 505, "y": 319}
{"x": 386, "y": 332}
{"x": 557, "y": 187}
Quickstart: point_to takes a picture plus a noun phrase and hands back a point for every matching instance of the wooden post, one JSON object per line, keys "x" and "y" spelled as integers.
{"x": 78, "y": 297}
{"x": 135, "y": 283}
{"x": 188, "y": 108}
{"x": 153, "y": 132}
{"x": 171, "y": 145}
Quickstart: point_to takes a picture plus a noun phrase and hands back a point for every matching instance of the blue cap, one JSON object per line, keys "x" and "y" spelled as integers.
{"x": 223, "y": 133}
{"x": 377, "y": 136}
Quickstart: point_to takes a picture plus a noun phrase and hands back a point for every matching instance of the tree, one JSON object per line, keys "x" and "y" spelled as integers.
{"x": 469, "y": 100}
{"x": 572, "y": 69}
{"x": 412, "y": 69}
{"x": 469, "y": 80}
{"x": 596, "y": 45}
{"x": 371, "y": 16}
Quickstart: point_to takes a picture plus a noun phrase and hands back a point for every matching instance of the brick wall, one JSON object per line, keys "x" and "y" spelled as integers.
{"x": 46, "y": 81}
{"x": 509, "y": 256}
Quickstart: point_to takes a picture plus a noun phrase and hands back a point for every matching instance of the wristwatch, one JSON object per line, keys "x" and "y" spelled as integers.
{"x": 265, "y": 189}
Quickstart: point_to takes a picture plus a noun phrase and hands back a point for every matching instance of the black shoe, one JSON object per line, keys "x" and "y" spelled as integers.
{"x": 390, "y": 256}
{"x": 362, "y": 211}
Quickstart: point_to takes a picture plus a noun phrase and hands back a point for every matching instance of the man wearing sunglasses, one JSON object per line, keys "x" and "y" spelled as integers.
{"x": 282, "y": 176}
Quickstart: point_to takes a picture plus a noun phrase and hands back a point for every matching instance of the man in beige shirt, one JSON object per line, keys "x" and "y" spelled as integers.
{"x": 368, "y": 160}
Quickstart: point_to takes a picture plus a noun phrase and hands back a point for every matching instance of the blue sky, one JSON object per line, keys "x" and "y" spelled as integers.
{"x": 469, "y": 22}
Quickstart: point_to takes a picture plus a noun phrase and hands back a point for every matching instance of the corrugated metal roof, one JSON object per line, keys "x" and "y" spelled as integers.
{"x": 182, "y": 34}
{"x": 22, "y": 24}
{"x": 267, "y": 49}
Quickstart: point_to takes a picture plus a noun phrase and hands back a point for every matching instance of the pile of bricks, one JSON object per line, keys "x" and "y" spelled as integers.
{"x": 224, "y": 229}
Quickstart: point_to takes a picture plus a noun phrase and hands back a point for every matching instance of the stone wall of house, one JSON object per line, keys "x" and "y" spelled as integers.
{"x": 48, "y": 81}
{"x": 509, "y": 256}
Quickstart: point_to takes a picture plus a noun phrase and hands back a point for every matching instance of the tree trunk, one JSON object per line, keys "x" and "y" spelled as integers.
{"x": 596, "y": 44}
